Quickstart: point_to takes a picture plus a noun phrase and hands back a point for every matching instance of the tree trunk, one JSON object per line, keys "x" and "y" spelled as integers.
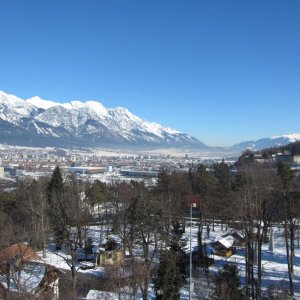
{"x": 298, "y": 237}
{"x": 200, "y": 230}
{"x": 292, "y": 245}
{"x": 265, "y": 232}
{"x": 288, "y": 258}
{"x": 208, "y": 230}
{"x": 252, "y": 269}
{"x": 259, "y": 269}
{"x": 144, "y": 289}
{"x": 74, "y": 282}
{"x": 247, "y": 267}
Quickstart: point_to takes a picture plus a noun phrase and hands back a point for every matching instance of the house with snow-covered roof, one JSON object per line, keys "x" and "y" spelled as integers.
{"x": 224, "y": 246}
{"x": 24, "y": 274}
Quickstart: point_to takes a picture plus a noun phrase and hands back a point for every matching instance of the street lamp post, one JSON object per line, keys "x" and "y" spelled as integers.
{"x": 191, "y": 251}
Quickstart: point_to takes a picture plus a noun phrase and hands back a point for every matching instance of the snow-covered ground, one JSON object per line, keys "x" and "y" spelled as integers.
{"x": 274, "y": 264}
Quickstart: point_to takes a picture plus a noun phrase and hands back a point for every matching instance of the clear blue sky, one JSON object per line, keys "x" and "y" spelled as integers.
{"x": 222, "y": 71}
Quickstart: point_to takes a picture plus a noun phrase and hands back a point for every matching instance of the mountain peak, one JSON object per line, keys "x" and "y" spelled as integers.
{"x": 100, "y": 109}
{"x": 83, "y": 123}
{"x": 8, "y": 97}
{"x": 40, "y": 103}
{"x": 293, "y": 137}
{"x": 274, "y": 141}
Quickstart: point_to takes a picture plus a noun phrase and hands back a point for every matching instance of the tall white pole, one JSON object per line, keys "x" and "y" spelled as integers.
{"x": 271, "y": 242}
{"x": 190, "y": 281}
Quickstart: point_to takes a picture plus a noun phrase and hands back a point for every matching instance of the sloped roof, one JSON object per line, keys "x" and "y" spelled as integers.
{"x": 34, "y": 275}
{"x": 227, "y": 241}
{"x": 101, "y": 295}
{"x": 29, "y": 278}
{"x": 235, "y": 234}
{"x": 25, "y": 252}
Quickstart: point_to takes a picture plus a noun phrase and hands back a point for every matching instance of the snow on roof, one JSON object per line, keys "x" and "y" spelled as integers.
{"x": 101, "y": 295}
{"x": 100, "y": 249}
{"x": 28, "y": 279}
{"x": 32, "y": 270}
{"x": 226, "y": 241}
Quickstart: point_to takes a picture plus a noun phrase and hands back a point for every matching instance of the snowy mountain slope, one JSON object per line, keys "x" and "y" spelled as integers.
{"x": 263, "y": 143}
{"x": 291, "y": 138}
{"x": 40, "y": 103}
{"x": 83, "y": 123}
{"x": 12, "y": 108}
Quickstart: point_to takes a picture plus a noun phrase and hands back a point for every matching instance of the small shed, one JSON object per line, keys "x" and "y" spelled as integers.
{"x": 109, "y": 253}
{"x": 224, "y": 246}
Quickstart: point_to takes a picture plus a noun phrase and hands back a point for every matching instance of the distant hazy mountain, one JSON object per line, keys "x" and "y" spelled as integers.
{"x": 38, "y": 122}
{"x": 274, "y": 141}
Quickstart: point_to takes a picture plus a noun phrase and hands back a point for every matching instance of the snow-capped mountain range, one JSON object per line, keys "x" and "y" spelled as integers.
{"x": 38, "y": 122}
{"x": 279, "y": 140}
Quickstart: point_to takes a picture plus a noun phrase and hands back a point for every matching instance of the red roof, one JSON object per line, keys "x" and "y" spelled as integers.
{"x": 192, "y": 200}
{"x": 24, "y": 251}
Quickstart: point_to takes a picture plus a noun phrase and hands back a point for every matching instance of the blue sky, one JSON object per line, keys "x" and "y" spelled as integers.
{"x": 222, "y": 71}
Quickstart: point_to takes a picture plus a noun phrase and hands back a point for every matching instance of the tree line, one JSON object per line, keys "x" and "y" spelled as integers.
{"x": 150, "y": 220}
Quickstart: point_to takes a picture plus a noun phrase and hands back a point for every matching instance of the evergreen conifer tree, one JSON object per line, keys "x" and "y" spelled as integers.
{"x": 57, "y": 213}
{"x": 171, "y": 271}
{"x": 228, "y": 284}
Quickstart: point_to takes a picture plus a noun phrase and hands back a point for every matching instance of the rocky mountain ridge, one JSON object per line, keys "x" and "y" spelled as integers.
{"x": 38, "y": 122}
